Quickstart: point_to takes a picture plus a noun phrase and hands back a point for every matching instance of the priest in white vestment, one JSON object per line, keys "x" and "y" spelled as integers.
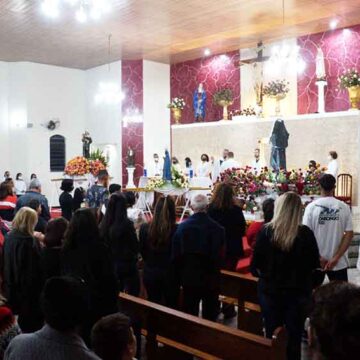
{"x": 156, "y": 167}
{"x": 333, "y": 166}
{"x": 204, "y": 168}
{"x": 257, "y": 164}
{"x": 229, "y": 163}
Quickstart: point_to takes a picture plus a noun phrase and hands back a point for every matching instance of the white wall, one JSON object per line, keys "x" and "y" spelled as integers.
{"x": 4, "y": 123}
{"x": 156, "y": 80}
{"x": 35, "y": 94}
{"x": 103, "y": 121}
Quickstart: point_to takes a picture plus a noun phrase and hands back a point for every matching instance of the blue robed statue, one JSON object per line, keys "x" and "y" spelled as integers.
{"x": 167, "y": 166}
{"x": 199, "y": 102}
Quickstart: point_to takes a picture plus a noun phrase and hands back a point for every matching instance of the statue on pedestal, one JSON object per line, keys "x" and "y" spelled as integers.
{"x": 130, "y": 158}
{"x": 279, "y": 142}
{"x": 199, "y": 102}
{"x": 86, "y": 140}
{"x": 167, "y": 167}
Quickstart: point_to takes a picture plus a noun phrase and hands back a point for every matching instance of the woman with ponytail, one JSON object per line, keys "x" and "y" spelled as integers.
{"x": 155, "y": 242}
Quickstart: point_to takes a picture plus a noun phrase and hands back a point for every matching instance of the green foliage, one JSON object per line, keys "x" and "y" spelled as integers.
{"x": 98, "y": 155}
{"x": 223, "y": 95}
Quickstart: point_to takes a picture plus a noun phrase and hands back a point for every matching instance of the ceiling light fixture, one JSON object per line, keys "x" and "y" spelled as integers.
{"x": 207, "y": 52}
{"x": 84, "y": 9}
{"x": 333, "y": 24}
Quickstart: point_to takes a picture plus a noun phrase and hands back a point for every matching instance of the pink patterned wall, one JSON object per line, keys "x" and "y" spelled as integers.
{"x": 215, "y": 72}
{"x": 132, "y": 105}
{"x": 341, "y": 50}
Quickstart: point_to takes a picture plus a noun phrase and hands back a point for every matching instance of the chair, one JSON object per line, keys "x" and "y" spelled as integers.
{"x": 344, "y": 188}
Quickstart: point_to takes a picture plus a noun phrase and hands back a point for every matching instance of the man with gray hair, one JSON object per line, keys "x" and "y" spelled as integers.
{"x": 34, "y": 192}
{"x": 197, "y": 251}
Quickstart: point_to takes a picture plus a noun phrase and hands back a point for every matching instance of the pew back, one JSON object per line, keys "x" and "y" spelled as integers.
{"x": 196, "y": 336}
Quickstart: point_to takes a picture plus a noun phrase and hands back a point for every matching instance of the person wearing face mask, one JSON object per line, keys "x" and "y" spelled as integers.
{"x": 333, "y": 166}
{"x": 6, "y": 175}
{"x": 155, "y": 168}
{"x": 175, "y": 163}
{"x": 20, "y": 186}
{"x": 204, "y": 168}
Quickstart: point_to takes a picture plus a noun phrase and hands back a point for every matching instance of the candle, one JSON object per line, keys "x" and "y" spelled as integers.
{"x": 320, "y": 65}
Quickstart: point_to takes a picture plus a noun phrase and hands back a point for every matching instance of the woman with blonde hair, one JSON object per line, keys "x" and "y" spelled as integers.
{"x": 285, "y": 256}
{"x": 22, "y": 278}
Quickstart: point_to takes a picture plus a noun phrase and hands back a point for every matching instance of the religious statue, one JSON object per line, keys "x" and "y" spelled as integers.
{"x": 130, "y": 158}
{"x": 199, "y": 102}
{"x": 167, "y": 166}
{"x": 279, "y": 142}
{"x": 86, "y": 140}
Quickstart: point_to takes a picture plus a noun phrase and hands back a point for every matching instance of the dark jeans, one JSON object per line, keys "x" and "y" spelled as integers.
{"x": 128, "y": 278}
{"x": 339, "y": 275}
{"x": 160, "y": 287}
{"x": 209, "y": 298}
{"x": 289, "y": 310}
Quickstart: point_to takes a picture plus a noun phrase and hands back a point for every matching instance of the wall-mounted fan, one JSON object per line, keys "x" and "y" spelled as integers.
{"x": 52, "y": 124}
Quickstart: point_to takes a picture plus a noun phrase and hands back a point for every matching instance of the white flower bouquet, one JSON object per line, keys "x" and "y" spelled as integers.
{"x": 177, "y": 103}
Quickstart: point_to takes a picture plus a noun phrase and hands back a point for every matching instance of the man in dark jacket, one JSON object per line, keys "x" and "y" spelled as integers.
{"x": 198, "y": 247}
{"x": 34, "y": 193}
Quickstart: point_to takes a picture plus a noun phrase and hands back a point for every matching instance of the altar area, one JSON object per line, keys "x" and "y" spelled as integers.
{"x": 312, "y": 136}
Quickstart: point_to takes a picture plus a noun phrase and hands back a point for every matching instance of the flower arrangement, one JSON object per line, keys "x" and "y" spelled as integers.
{"x": 77, "y": 166}
{"x": 96, "y": 166}
{"x": 179, "y": 179}
{"x": 98, "y": 155}
{"x": 223, "y": 96}
{"x": 249, "y": 111}
{"x": 312, "y": 180}
{"x": 177, "y": 103}
{"x": 349, "y": 78}
{"x": 276, "y": 88}
{"x": 155, "y": 183}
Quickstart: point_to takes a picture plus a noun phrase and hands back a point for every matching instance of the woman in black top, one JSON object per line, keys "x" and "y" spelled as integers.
{"x": 22, "y": 275}
{"x": 85, "y": 257}
{"x": 66, "y": 199}
{"x": 223, "y": 210}
{"x": 53, "y": 241}
{"x": 285, "y": 256}
{"x": 118, "y": 232}
{"x": 155, "y": 241}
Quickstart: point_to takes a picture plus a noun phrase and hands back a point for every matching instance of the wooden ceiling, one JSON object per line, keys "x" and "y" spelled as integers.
{"x": 160, "y": 30}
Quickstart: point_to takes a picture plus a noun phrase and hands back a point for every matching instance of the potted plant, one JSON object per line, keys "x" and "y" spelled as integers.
{"x": 177, "y": 105}
{"x": 277, "y": 90}
{"x": 350, "y": 80}
{"x": 223, "y": 98}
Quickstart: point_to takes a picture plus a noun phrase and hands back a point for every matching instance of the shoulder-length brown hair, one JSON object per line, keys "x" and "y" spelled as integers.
{"x": 223, "y": 197}
{"x": 163, "y": 223}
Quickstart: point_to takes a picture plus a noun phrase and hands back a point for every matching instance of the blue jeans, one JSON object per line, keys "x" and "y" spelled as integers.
{"x": 289, "y": 310}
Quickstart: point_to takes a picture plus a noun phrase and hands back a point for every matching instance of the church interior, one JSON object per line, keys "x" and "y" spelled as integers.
{"x": 199, "y": 160}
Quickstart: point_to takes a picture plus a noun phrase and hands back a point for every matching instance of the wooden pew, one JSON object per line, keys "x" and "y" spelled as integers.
{"x": 194, "y": 336}
{"x": 243, "y": 288}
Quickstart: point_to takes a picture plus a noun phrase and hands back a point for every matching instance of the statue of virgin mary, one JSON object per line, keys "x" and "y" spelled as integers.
{"x": 199, "y": 102}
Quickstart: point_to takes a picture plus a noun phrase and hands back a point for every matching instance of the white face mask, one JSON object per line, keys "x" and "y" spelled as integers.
{"x": 20, "y": 178}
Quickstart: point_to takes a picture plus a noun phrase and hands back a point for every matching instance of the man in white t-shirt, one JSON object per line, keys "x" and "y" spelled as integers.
{"x": 331, "y": 221}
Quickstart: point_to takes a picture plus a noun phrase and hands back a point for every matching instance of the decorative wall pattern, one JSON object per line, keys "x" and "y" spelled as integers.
{"x": 216, "y": 73}
{"x": 341, "y": 50}
{"x": 132, "y": 105}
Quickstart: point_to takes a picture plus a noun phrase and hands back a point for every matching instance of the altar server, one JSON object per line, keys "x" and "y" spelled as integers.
{"x": 257, "y": 164}
{"x": 229, "y": 163}
{"x": 204, "y": 168}
{"x": 155, "y": 168}
{"x": 333, "y": 166}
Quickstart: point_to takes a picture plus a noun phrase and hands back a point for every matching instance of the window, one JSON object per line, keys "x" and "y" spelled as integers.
{"x": 57, "y": 153}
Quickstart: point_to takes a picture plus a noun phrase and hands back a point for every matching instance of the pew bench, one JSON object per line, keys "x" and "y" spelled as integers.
{"x": 188, "y": 335}
{"x": 241, "y": 290}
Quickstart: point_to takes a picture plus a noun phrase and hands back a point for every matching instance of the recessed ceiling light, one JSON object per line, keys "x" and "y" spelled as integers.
{"x": 207, "y": 52}
{"x": 333, "y": 24}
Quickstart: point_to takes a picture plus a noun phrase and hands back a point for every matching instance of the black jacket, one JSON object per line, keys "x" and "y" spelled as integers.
{"x": 235, "y": 225}
{"x": 286, "y": 271}
{"x": 197, "y": 250}
{"x": 91, "y": 263}
{"x": 66, "y": 204}
{"x": 22, "y": 278}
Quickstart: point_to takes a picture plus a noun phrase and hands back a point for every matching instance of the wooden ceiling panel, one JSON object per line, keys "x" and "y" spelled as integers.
{"x": 160, "y": 30}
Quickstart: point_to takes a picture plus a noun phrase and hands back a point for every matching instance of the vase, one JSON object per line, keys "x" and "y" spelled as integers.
{"x": 225, "y": 104}
{"x": 354, "y": 96}
{"x": 177, "y": 115}
{"x": 278, "y": 98}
